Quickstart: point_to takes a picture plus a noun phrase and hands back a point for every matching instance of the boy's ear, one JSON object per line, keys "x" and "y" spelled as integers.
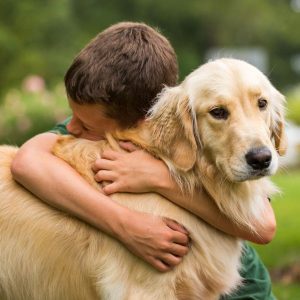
{"x": 172, "y": 129}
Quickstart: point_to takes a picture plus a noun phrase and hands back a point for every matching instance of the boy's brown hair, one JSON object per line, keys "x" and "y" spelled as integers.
{"x": 123, "y": 68}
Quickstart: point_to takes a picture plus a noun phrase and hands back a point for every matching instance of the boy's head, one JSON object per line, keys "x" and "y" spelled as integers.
{"x": 123, "y": 69}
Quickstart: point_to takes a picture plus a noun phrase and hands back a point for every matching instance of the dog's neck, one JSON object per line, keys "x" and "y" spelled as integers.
{"x": 141, "y": 136}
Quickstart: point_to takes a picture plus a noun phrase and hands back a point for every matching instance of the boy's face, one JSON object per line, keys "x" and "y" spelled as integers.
{"x": 90, "y": 122}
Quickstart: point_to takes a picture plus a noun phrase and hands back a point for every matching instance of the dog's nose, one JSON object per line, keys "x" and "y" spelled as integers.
{"x": 259, "y": 158}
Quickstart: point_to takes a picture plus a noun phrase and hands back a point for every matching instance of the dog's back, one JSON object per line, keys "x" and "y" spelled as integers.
{"x": 47, "y": 254}
{"x": 40, "y": 248}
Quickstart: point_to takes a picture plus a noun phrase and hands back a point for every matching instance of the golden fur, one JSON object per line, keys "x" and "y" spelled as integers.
{"x": 46, "y": 254}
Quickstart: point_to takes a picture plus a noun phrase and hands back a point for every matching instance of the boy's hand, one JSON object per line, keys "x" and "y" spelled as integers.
{"x": 159, "y": 241}
{"x": 135, "y": 171}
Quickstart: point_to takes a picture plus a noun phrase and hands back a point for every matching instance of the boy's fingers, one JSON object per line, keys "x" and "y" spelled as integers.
{"x": 128, "y": 146}
{"x": 111, "y": 188}
{"x": 179, "y": 250}
{"x": 180, "y": 234}
{"x": 104, "y": 175}
{"x": 171, "y": 260}
{"x": 159, "y": 265}
{"x": 175, "y": 225}
{"x": 101, "y": 164}
{"x": 181, "y": 239}
{"x": 110, "y": 154}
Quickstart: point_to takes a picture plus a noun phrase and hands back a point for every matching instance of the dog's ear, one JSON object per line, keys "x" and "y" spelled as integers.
{"x": 280, "y": 138}
{"x": 172, "y": 128}
{"x": 277, "y": 125}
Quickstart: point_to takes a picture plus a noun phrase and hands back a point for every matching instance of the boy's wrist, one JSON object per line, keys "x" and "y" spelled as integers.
{"x": 119, "y": 221}
{"x": 162, "y": 181}
{"x": 165, "y": 186}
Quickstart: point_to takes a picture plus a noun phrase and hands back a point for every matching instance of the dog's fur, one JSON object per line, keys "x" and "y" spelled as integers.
{"x": 46, "y": 254}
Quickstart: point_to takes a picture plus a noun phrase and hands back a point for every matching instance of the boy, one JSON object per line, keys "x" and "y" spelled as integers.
{"x": 111, "y": 84}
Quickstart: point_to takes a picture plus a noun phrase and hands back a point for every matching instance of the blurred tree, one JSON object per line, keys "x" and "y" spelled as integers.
{"x": 42, "y": 36}
{"x": 35, "y": 37}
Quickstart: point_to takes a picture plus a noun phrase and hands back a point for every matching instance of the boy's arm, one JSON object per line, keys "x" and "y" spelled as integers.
{"x": 203, "y": 206}
{"x": 138, "y": 171}
{"x": 160, "y": 242}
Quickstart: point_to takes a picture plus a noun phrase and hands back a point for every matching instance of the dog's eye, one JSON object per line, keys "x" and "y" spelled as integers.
{"x": 219, "y": 113}
{"x": 262, "y": 104}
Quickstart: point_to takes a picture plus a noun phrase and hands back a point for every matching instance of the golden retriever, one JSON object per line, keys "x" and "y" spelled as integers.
{"x": 222, "y": 128}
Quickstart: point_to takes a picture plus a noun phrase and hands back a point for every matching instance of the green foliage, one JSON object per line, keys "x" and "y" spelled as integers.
{"x": 41, "y": 37}
{"x": 293, "y": 105}
{"x": 25, "y": 114}
{"x": 35, "y": 37}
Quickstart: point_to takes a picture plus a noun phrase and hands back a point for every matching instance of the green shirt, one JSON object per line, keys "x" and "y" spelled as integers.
{"x": 256, "y": 280}
{"x": 61, "y": 128}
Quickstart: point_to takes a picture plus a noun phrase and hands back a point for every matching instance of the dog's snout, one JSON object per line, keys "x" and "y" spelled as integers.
{"x": 259, "y": 158}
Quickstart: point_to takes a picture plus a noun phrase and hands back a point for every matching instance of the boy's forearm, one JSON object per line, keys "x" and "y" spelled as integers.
{"x": 203, "y": 206}
{"x": 56, "y": 183}
{"x": 160, "y": 242}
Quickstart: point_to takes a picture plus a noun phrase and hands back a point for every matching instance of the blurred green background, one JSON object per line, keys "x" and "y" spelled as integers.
{"x": 39, "y": 39}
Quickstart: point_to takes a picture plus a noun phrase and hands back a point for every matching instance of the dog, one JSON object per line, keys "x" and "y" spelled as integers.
{"x": 221, "y": 129}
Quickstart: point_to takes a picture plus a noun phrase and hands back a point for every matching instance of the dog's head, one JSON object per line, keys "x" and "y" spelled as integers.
{"x": 228, "y": 111}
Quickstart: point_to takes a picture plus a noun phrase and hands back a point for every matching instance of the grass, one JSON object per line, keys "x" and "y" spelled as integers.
{"x": 285, "y": 248}
{"x": 286, "y": 292}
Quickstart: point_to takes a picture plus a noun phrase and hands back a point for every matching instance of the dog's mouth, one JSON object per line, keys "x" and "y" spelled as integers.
{"x": 244, "y": 175}
{"x": 257, "y": 174}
